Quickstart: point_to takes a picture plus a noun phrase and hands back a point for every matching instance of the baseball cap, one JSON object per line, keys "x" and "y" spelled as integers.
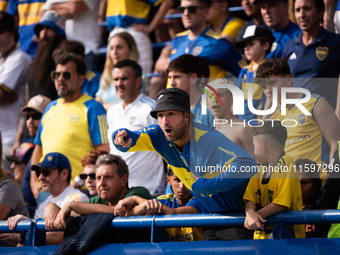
{"x": 22, "y": 154}
{"x": 51, "y": 160}
{"x": 52, "y": 20}
{"x": 261, "y": 1}
{"x": 253, "y": 32}
{"x": 7, "y": 21}
{"x": 37, "y": 103}
{"x": 171, "y": 99}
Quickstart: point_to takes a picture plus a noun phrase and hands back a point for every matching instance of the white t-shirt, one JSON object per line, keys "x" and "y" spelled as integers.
{"x": 69, "y": 194}
{"x": 13, "y": 76}
{"x": 145, "y": 167}
{"x": 83, "y": 26}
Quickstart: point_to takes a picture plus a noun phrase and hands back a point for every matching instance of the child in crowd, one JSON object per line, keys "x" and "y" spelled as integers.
{"x": 176, "y": 202}
{"x": 257, "y": 42}
{"x": 276, "y": 187}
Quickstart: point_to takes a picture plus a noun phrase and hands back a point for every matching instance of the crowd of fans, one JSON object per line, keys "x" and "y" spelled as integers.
{"x": 83, "y": 133}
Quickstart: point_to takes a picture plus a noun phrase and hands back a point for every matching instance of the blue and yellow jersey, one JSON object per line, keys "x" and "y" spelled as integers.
{"x": 180, "y": 234}
{"x": 212, "y": 167}
{"x": 205, "y": 119}
{"x": 29, "y": 14}
{"x": 123, "y": 13}
{"x": 3, "y": 5}
{"x": 73, "y": 129}
{"x": 217, "y": 51}
{"x": 305, "y": 140}
{"x": 281, "y": 188}
{"x": 91, "y": 83}
{"x": 319, "y": 59}
{"x": 246, "y": 81}
{"x": 232, "y": 26}
{"x": 282, "y": 36}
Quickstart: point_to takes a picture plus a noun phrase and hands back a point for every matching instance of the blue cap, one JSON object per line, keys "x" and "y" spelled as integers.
{"x": 52, "y": 20}
{"x": 52, "y": 160}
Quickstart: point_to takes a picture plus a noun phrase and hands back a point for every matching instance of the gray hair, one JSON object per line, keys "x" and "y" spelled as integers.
{"x": 108, "y": 159}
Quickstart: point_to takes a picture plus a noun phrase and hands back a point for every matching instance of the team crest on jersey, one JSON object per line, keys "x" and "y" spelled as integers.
{"x": 197, "y": 50}
{"x": 74, "y": 117}
{"x": 302, "y": 119}
{"x": 132, "y": 120}
{"x": 173, "y": 51}
{"x": 321, "y": 52}
{"x": 274, "y": 46}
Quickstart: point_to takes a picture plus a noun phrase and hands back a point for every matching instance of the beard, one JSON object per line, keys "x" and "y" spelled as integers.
{"x": 64, "y": 91}
{"x": 175, "y": 134}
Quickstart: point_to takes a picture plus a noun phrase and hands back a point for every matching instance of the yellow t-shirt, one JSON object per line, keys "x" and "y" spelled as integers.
{"x": 282, "y": 188}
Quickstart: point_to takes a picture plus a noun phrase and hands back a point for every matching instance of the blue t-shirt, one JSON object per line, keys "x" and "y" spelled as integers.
{"x": 206, "y": 119}
{"x": 91, "y": 83}
{"x": 319, "y": 59}
{"x": 217, "y": 51}
{"x": 282, "y": 36}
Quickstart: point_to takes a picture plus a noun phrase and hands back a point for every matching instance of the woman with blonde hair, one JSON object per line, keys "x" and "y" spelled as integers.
{"x": 120, "y": 46}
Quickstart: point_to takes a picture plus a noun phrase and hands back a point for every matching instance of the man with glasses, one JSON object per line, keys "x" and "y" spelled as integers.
{"x": 54, "y": 173}
{"x": 21, "y": 162}
{"x": 73, "y": 124}
{"x": 14, "y": 64}
{"x": 198, "y": 40}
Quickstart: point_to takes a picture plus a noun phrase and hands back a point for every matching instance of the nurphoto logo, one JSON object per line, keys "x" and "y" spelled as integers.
{"x": 239, "y": 103}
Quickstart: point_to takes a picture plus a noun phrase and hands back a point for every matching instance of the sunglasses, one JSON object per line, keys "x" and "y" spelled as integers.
{"x": 35, "y": 116}
{"x": 191, "y": 9}
{"x": 84, "y": 176}
{"x": 45, "y": 172}
{"x": 18, "y": 162}
{"x": 67, "y": 75}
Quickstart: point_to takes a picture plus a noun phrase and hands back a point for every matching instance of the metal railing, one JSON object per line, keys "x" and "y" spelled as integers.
{"x": 36, "y": 229}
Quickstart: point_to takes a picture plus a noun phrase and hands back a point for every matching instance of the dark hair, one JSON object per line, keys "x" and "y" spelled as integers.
{"x": 205, "y": 3}
{"x": 204, "y": 67}
{"x": 69, "y": 46}
{"x": 272, "y": 128}
{"x": 60, "y": 169}
{"x": 170, "y": 172}
{"x": 305, "y": 166}
{"x": 320, "y": 5}
{"x": 189, "y": 64}
{"x": 71, "y": 57}
{"x": 273, "y": 66}
{"x": 108, "y": 159}
{"x": 91, "y": 157}
{"x": 263, "y": 40}
{"x": 137, "y": 70}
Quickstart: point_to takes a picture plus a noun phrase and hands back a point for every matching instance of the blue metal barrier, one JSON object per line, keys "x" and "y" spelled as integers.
{"x": 36, "y": 229}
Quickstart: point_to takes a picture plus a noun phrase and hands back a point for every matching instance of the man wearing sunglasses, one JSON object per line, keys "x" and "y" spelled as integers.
{"x": 14, "y": 64}
{"x": 27, "y": 129}
{"x": 54, "y": 173}
{"x": 75, "y": 123}
{"x": 198, "y": 40}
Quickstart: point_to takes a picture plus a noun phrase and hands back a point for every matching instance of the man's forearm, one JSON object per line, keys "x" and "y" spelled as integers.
{"x": 88, "y": 208}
